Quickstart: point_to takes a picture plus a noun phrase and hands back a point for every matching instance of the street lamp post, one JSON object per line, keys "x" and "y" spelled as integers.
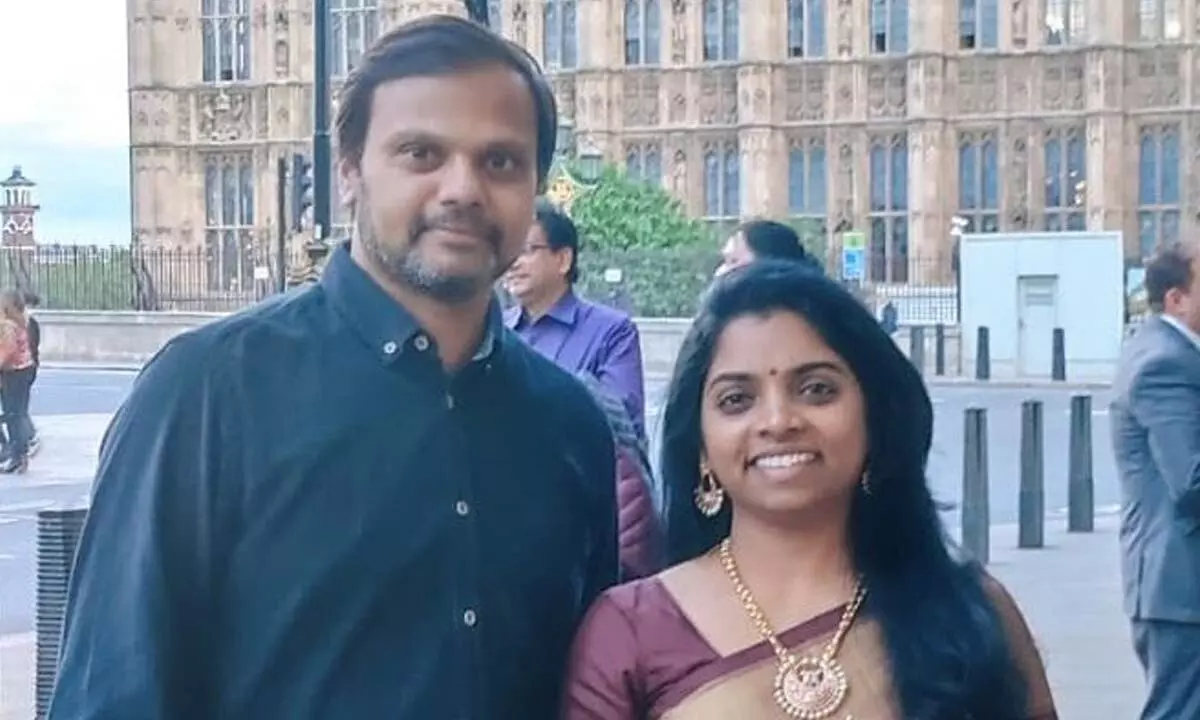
{"x": 322, "y": 150}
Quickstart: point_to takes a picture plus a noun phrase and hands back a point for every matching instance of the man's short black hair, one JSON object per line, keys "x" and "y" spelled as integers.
{"x": 439, "y": 45}
{"x": 561, "y": 232}
{"x": 1169, "y": 268}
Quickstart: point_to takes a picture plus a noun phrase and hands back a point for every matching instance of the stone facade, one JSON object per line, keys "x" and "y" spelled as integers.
{"x": 861, "y": 136}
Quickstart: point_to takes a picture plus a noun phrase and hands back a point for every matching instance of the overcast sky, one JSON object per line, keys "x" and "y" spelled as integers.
{"x": 64, "y": 114}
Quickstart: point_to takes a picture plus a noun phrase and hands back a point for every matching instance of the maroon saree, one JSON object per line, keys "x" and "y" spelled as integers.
{"x": 638, "y": 657}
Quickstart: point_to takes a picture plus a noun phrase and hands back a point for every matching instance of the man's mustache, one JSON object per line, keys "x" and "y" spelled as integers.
{"x": 459, "y": 221}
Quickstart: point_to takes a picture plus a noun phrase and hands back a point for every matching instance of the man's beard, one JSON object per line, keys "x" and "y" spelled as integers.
{"x": 406, "y": 266}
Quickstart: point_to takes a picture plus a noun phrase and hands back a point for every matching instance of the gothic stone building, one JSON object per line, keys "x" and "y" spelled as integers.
{"x": 899, "y": 118}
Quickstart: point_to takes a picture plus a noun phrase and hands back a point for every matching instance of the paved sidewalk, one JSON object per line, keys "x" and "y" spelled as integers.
{"x": 17, "y": 676}
{"x": 1070, "y": 592}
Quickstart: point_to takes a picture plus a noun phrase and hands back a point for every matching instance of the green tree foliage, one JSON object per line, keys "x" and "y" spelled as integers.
{"x": 620, "y": 213}
{"x": 641, "y": 234}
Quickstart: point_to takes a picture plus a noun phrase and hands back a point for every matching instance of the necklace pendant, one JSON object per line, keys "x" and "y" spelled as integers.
{"x": 810, "y": 688}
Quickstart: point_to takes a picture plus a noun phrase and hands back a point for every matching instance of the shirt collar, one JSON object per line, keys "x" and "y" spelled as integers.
{"x": 386, "y": 326}
{"x": 1186, "y": 331}
{"x": 565, "y": 311}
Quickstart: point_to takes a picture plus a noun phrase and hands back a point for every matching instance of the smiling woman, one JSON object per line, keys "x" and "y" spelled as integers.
{"x": 812, "y": 574}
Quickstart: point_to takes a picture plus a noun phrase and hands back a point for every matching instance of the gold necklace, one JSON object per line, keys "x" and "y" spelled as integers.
{"x": 807, "y": 688}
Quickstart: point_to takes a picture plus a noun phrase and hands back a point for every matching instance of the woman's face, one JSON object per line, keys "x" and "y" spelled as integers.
{"x": 782, "y": 418}
{"x": 734, "y": 254}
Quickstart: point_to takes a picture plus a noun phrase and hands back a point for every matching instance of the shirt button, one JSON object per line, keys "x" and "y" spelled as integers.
{"x": 389, "y": 347}
{"x": 462, "y": 508}
{"x": 449, "y": 401}
{"x": 421, "y": 343}
{"x": 469, "y": 618}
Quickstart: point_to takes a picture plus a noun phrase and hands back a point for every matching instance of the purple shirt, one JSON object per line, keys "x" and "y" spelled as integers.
{"x": 581, "y": 336}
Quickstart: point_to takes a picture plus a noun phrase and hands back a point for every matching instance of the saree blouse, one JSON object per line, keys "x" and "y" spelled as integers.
{"x": 638, "y": 657}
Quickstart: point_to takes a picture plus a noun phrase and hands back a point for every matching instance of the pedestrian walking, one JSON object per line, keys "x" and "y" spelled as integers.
{"x": 367, "y": 498}
{"x": 17, "y": 370}
{"x": 1155, "y": 418}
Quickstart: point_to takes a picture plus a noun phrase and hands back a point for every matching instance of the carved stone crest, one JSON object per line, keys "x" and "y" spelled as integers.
{"x": 225, "y": 116}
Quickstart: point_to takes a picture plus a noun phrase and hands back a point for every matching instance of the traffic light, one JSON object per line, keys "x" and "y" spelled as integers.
{"x": 302, "y": 189}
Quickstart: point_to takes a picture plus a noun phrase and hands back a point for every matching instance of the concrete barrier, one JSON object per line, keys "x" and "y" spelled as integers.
{"x": 131, "y": 338}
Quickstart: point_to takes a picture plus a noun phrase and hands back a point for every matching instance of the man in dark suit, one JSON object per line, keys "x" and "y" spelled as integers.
{"x": 1156, "y": 440}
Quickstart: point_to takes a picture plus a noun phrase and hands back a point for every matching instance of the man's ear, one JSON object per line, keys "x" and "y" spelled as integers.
{"x": 349, "y": 182}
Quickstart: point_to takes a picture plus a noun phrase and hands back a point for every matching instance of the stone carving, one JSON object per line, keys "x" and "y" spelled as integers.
{"x": 282, "y": 22}
{"x": 805, "y": 92}
{"x": 282, "y": 59}
{"x": 679, "y": 174}
{"x": 1063, "y": 85}
{"x": 845, "y": 28}
{"x": 1017, "y": 192}
{"x": 729, "y": 98}
{"x": 520, "y": 23}
{"x": 224, "y": 116}
{"x": 844, "y": 184}
{"x": 718, "y": 99}
{"x": 1016, "y": 79}
{"x": 679, "y": 32}
{"x": 1020, "y": 24}
{"x": 648, "y": 98}
{"x": 977, "y": 87}
{"x": 675, "y": 89}
{"x": 564, "y": 93}
{"x": 1075, "y": 86}
{"x": 262, "y": 18}
{"x": 876, "y": 91}
{"x": 183, "y": 21}
{"x": 1193, "y": 177}
{"x": 887, "y": 90}
{"x": 263, "y": 121}
{"x": 843, "y": 101}
{"x": 183, "y": 117}
{"x": 1052, "y": 84}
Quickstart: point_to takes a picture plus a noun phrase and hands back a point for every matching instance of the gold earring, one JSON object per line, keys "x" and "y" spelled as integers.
{"x": 710, "y": 496}
{"x": 865, "y": 482}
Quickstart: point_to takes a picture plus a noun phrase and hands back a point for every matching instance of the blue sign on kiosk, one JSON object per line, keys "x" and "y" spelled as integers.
{"x": 854, "y": 255}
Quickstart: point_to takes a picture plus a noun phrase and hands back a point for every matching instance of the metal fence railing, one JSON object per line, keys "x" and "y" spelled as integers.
{"x": 649, "y": 282}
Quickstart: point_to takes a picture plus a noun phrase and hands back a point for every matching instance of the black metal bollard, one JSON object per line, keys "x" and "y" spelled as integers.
{"x": 1032, "y": 506}
{"x": 1081, "y": 490}
{"x": 1058, "y": 367}
{"x": 939, "y": 349}
{"x": 976, "y": 522}
{"x": 983, "y": 355}
{"x": 57, "y": 537}
{"x": 916, "y": 347}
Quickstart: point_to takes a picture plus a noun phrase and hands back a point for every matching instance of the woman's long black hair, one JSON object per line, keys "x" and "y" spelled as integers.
{"x": 949, "y": 656}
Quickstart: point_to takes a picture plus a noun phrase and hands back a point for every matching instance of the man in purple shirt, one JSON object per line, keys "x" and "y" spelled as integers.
{"x": 600, "y": 345}
{"x": 579, "y": 336}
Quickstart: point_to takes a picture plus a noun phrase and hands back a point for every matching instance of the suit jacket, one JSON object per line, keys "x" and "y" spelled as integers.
{"x": 1155, "y": 418}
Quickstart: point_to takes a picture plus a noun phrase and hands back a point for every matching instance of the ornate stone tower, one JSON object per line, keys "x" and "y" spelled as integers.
{"x": 17, "y": 210}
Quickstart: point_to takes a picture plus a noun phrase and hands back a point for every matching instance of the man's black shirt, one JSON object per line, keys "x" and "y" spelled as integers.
{"x": 299, "y": 515}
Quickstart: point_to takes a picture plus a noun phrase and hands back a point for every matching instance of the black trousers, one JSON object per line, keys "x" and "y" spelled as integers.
{"x": 14, "y": 396}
